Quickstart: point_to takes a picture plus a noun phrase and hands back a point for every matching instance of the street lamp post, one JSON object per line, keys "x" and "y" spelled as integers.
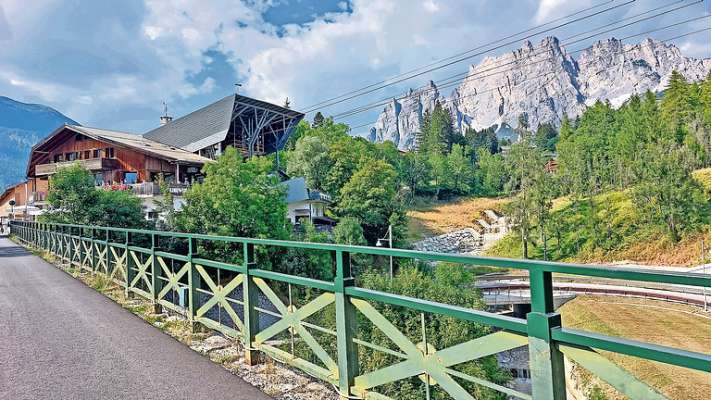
{"x": 389, "y": 240}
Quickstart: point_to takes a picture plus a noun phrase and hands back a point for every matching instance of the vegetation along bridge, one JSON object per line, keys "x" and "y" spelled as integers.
{"x": 163, "y": 266}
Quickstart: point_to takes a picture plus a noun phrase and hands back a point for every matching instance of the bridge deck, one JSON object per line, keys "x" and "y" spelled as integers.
{"x": 60, "y": 339}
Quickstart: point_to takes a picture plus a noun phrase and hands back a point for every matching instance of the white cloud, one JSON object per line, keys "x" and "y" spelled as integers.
{"x": 431, "y": 6}
{"x": 119, "y": 64}
{"x": 376, "y": 40}
{"x": 550, "y": 9}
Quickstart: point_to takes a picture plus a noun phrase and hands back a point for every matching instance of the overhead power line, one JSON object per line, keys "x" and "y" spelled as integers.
{"x": 463, "y": 53}
{"x": 457, "y": 78}
{"x": 375, "y": 87}
{"x": 479, "y": 93}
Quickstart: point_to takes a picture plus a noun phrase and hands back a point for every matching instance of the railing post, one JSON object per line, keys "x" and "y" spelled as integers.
{"x": 346, "y": 327}
{"x": 127, "y": 264}
{"x": 64, "y": 249}
{"x": 92, "y": 249}
{"x": 82, "y": 249}
{"x": 155, "y": 272}
{"x": 56, "y": 243}
{"x": 250, "y": 302}
{"x": 71, "y": 246}
{"x": 53, "y": 239}
{"x": 193, "y": 285}
{"x": 546, "y": 361}
{"x": 108, "y": 252}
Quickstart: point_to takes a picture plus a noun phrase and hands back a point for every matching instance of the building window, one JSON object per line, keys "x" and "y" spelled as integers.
{"x": 96, "y": 153}
{"x": 87, "y": 154}
{"x": 130, "y": 177}
{"x": 99, "y": 178}
{"x": 58, "y": 157}
{"x": 109, "y": 152}
{"x": 71, "y": 156}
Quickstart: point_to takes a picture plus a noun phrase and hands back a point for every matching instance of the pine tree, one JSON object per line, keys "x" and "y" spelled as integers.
{"x": 437, "y": 131}
{"x": 420, "y": 146}
{"x": 566, "y": 129}
{"x": 705, "y": 99}
{"x": 318, "y": 120}
{"x": 675, "y": 105}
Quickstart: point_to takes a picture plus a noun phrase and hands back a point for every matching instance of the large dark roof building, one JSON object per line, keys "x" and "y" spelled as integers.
{"x": 253, "y": 126}
{"x": 176, "y": 151}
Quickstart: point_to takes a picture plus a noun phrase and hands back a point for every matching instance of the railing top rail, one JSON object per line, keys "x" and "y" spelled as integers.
{"x": 622, "y": 273}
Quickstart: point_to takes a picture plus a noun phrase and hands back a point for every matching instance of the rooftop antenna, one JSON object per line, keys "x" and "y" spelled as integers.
{"x": 165, "y": 118}
{"x": 237, "y": 86}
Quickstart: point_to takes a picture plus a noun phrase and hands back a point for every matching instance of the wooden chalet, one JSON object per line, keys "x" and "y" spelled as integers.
{"x": 114, "y": 158}
{"x": 177, "y": 149}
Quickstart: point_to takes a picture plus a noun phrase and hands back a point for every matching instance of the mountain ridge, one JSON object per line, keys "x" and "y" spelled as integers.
{"x": 21, "y": 126}
{"x": 543, "y": 82}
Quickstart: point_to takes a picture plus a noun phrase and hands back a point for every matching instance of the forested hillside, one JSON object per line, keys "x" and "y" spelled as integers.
{"x": 628, "y": 177}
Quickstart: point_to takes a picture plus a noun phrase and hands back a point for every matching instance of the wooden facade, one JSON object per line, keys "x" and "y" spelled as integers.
{"x": 110, "y": 163}
{"x": 117, "y": 160}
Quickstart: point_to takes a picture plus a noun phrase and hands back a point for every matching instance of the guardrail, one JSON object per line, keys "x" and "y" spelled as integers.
{"x": 241, "y": 288}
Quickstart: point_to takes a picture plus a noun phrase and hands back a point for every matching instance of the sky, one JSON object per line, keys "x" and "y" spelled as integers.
{"x": 112, "y": 63}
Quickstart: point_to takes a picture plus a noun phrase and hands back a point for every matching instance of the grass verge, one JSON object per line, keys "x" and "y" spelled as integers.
{"x": 657, "y": 322}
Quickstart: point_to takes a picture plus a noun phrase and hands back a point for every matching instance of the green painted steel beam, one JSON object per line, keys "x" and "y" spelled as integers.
{"x": 467, "y": 314}
{"x": 173, "y": 256}
{"x": 644, "y": 275}
{"x": 219, "y": 265}
{"x": 623, "y": 381}
{"x": 654, "y": 352}
{"x": 293, "y": 279}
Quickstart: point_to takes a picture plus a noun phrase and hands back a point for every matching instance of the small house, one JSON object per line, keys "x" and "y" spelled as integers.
{"x": 307, "y": 204}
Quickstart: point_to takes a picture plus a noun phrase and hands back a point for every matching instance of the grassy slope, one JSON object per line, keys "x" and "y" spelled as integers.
{"x": 651, "y": 321}
{"x": 629, "y": 237}
{"x": 435, "y": 218}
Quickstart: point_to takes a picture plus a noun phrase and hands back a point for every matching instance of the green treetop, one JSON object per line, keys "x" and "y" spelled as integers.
{"x": 73, "y": 198}
{"x": 237, "y": 198}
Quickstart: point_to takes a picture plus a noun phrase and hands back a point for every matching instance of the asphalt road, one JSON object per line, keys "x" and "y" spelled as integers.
{"x": 60, "y": 339}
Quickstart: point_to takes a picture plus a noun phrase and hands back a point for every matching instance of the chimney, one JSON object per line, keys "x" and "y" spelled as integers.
{"x": 165, "y": 118}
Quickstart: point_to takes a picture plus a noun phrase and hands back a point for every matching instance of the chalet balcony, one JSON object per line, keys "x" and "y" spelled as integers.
{"x": 149, "y": 189}
{"x": 37, "y": 198}
{"x": 93, "y": 164}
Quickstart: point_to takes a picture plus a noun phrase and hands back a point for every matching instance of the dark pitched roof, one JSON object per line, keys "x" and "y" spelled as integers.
{"x": 296, "y": 190}
{"x": 137, "y": 142}
{"x": 211, "y": 120}
{"x": 209, "y": 125}
{"x": 123, "y": 139}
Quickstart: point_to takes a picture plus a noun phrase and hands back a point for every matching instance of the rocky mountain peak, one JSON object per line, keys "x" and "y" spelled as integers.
{"x": 542, "y": 81}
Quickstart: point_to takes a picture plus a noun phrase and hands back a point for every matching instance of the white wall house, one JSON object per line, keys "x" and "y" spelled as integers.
{"x": 306, "y": 204}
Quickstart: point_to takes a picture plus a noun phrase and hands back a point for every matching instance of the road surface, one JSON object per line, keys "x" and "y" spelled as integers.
{"x": 60, "y": 339}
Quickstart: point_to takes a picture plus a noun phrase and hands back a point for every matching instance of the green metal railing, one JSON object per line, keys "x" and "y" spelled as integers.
{"x": 151, "y": 272}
